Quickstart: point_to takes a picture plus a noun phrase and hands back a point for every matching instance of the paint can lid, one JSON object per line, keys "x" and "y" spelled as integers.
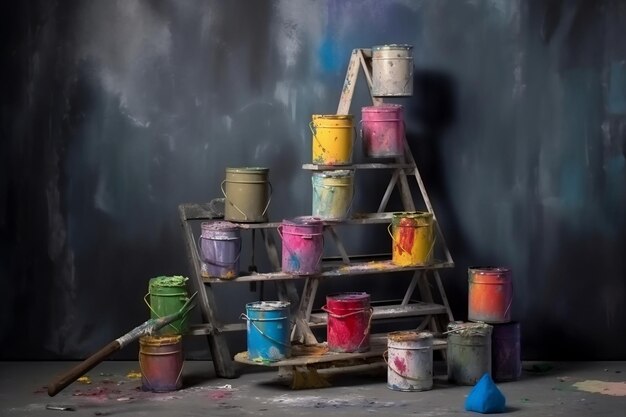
{"x": 304, "y": 221}
{"x": 385, "y": 107}
{"x": 340, "y": 173}
{"x": 167, "y": 281}
{"x": 267, "y": 305}
{"x": 218, "y": 226}
{"x": 247, "y": 170}
{"x": 392, "y": 46}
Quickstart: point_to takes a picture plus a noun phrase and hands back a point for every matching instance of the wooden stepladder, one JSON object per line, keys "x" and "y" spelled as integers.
{"x": 431, "y": 307}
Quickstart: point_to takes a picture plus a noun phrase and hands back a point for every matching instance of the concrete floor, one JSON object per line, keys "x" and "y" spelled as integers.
{"x": 546, "y": 389}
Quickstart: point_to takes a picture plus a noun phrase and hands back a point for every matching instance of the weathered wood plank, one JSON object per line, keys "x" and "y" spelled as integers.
{"x": 332, "y": 270}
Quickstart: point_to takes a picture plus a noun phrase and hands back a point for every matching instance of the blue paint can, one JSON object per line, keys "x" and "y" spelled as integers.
{"x": 269, "y": 330}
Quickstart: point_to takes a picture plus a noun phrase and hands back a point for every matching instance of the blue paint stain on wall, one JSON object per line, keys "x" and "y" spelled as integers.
{"x": 617, "y": 88}
{"x": 329, "y": 57}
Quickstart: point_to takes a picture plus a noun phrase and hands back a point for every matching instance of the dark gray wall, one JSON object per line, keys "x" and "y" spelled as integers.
{"x": 114, "y": 112}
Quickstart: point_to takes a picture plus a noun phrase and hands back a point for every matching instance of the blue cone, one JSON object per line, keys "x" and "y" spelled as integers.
{"x": 485, "y": 397}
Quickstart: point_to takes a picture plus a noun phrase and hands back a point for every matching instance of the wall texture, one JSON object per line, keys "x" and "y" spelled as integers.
{"x": 114, "y": 112}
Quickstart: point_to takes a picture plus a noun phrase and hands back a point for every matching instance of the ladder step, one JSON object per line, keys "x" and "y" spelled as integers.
{"x": 392, "y": 311}
{"x": 392, "y": 165}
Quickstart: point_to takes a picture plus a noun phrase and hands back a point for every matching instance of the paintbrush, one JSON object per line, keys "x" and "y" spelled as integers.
{"x": 147, "y": 328}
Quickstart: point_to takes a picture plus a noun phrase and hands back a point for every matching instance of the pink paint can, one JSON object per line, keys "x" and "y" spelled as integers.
{"x": 382, "y": 130}
{"x": 303, "y": 245}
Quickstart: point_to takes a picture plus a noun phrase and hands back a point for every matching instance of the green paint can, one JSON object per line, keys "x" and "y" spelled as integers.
{"x": 167, "y": 296}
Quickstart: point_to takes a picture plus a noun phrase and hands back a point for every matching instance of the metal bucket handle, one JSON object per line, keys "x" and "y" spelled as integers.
{"x": 206, "y": 261}
{"x": 341, "y": 316}
{"x": 314, "y": 133}
{"x": 432, "y": 245}
{"x": 269, "y": 200}
{"x": 251, "y": 321}
{"x": 305, "y": 236}
{"x": 182, "y": 317}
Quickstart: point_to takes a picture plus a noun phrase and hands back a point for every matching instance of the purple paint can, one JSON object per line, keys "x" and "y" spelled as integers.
{"x": 220, "y": 248}
{"x": 506, "y": 352}
{"x": 303, "y": 245}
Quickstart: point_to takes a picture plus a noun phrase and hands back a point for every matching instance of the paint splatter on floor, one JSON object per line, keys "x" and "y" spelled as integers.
{"x": 133, "y": 375}
{"x": 84, "y": 380}
{"x": 617, "y": 389}
{"x": 310, "y": 401}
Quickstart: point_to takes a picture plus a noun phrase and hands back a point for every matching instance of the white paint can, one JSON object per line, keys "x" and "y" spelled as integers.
{"x": 410, "y": 361}
{"x": 392, "y": 70}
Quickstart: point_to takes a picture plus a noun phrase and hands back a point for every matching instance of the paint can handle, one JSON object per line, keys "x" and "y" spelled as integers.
{"x": 245, "y": 217}
{"x": 206, "y": 261}
{"x": 430, "y": 250}
{"x": 245, "y": 316}
{"x": 269, "y": 199}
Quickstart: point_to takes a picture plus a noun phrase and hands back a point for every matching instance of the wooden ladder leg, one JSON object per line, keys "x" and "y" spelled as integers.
{"x": 220, "y": 354}
{"x": 306, "y": 305}
{"x": 287, "y": 292}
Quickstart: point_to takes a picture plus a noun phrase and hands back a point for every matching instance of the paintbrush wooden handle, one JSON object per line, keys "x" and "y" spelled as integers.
{"x": 82, "y": 368}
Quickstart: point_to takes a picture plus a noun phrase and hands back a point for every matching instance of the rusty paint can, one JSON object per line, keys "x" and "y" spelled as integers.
{"x": 468, "y": 352}
{"x": 349, "y": 319}
{"x": 490, "y": 294}
{"x": 505, "y": 352}
{"x": 161, "y": 363}
{"x": 392, "y": 70}
{"x": 410, "y": 361}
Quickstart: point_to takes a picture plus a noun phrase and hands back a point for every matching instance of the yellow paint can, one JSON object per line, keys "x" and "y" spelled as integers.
{"x": 333, "y": 138}
{"x": 413, "y": 238}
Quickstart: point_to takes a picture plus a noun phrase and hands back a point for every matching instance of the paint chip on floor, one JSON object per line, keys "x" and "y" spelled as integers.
{"x": 617, "y": 389}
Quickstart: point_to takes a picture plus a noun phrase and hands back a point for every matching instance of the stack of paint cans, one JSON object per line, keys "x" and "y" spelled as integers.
{"x": 161, "y": 354}
{"x": 490, "y": 297}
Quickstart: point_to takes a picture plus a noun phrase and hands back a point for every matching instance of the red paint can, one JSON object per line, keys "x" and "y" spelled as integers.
{"x": 161, "y": 363}
{"x": 349, "y": 319}
{"x": 506, "y": 362}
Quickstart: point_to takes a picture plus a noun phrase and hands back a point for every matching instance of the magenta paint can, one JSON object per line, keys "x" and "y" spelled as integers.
{"x": 303, "y": 245}
{"x": 506, "y": 352}
{"x": 220, "y": 248}
{"x": 382, "y": 130}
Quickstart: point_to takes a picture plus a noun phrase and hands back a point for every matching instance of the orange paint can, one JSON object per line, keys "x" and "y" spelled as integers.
{"x": 490, "y": 294}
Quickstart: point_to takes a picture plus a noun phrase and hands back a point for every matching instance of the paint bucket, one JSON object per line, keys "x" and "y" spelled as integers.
{"x": 410, "y": 361}
{"x": 349, "y": 319}
{"x": 269, "y": 329}
{"x": 220, "y": 248}
{"x": 161, "y": 363}
{"x": 167, "y": 296}
{"x": 392, "y": 70}
{"x": 247, "y": 194}
{"x": 505, "y": 352}
{"x": 490, "y": 294}
{"x": 333, "y": 192}
{"x": 382, "y": 130}
{"x": 303, "y": 245}
{"x": 413, "y": 238}
{"x": 333, "y": 139}
{"x": 468, "y": 352}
